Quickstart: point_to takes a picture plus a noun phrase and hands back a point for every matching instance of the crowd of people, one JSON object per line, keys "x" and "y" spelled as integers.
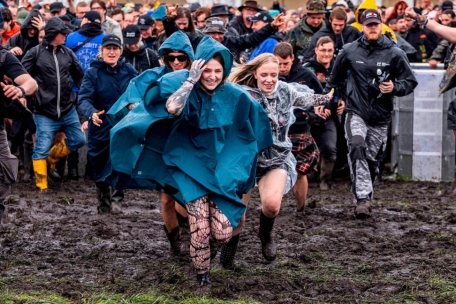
{"x": 202, "y": 104}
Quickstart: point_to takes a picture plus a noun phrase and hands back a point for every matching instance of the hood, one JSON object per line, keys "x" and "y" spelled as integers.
{"x": 28, "y": 22}
{"x": 179, "y": 42}
{"x": 54, "y": 26}
{"x": 208, "y": 47}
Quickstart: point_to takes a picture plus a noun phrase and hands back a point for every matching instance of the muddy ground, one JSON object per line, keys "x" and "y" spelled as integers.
{"x": 404, "y": 254}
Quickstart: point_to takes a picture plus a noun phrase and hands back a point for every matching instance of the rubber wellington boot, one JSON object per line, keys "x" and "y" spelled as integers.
{"x": 204, "y": 279}
{"x": 58, "y": 151}
{"x": 326, "y": 169}
{"x": 73, "y": 163}
{"x": 40, "y": 169}
{"x": 174, "y": 240}
{"x": 268, "y": 246}
{"x": 228, "y": 251}
{"x": 104, "y": 200}
{"x": 27, "y": 164}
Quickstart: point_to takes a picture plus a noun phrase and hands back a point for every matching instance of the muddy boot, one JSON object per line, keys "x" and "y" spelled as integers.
{"x": 2, "y": 211}
{"x": 40, "y": 169}
{"x": 116, "y": 200}
{"x": 57, "y": 152}
{"x": 268, "y": 246}
{"x": 228, "y": 252}
{"x": 73, "y": 162}
{"x": 174, "y": 240}
{"x": 204, "y": 279}
{"x": 27, "y": 164}
{"x": 363, "y": 211}
{"x": 104, "y": 200}
{"x": 60, "y": 169}
{"x": 326, "y": 169}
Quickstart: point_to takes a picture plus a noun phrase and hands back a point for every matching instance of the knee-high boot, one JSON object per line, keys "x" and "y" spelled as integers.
{"x": 228, "y": 251}
{"x": 268, "y": 246}
{"x": 40, "y": 169}
{"x": 104, "y": 200}
{"x": 57, "y": 152}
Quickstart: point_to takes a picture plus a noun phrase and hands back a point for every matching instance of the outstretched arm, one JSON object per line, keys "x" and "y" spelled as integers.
{"x": 176, "y": 102}
{"x": 445, "y": 32}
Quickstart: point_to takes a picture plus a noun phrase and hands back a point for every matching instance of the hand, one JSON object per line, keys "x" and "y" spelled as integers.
{"x": 321, "y": 112}
{"x": 278, "y": 20}
{"x": 340, "y": 107}
{"x": 171, "y": 11}
{"x": 96, "y": 118}
{"x": 410, "y": 13}
{"x": 131, "y": 106}
{"x": 38, "y": 22}
{"x": 85, "y": 126}
{"x": 196, "y": 70}
{"x": 386, "y": 87}
{"x": 11, "y": 91}
{"x": 433, "y": 63}
{"x": 17, "y": 51}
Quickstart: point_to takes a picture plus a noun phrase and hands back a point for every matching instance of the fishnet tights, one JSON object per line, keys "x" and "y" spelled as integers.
{"x": 206, "y": 219}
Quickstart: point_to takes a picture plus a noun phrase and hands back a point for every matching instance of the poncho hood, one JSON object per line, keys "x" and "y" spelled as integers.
{"x": 208, "y": 47}
{"x": 179, "y": 42}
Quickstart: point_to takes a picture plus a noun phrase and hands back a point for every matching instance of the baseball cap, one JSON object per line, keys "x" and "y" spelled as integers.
{"x": 370, "y": 16}
{"x": 93, "y": 16}
{"x": 145, "y": 22}
{"x": 111, "y": 40}
{"x": 214, "y": 25}
{"x": 261, "y": 16}
{"x": 132, "y": 34}
{"x": 56, "y": 7}
{"x": 315, "y": 7}
{"x": 446, "y": 5}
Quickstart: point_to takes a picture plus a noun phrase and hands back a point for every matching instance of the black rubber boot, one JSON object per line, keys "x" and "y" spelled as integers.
{"x": 268, "y": 246}
{"x": 28, "y": 151}
{"x": 73, "y": 163}
{"x": 204, "y": 278}
{"x": 174, "y": 240}
{"x": 214, "y": 246}
{"x": 2, "y": 211}
{"x": 59, "y": 172}
{"x": 117, "y": 199}
{"x": 104, "y": 200}
{"x": 183, "y": 221}
{"x": 228, "y": 251}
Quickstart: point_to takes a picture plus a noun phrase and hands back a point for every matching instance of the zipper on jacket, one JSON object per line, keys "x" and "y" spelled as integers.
{"x": 58, "y": 83}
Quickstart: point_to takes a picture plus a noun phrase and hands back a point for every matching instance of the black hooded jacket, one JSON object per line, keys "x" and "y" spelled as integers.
{"x": 141, "y": 60}
{"x": 55, "y": 71}
{"x": 365, "y": 60}
{"x": 238, "y": 24}
{"x": 349, "y": 34}
{"x": 21, "y": 39}
{"x": 424, "y": 41}
{"x": 234, "y": 44}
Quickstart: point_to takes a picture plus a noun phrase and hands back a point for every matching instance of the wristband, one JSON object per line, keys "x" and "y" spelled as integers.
{"x": 191, "y": 80}
{"x": 22, "y": 90}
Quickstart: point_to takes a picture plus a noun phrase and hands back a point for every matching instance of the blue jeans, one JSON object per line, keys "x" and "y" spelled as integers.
{"x": 46, "y": 128}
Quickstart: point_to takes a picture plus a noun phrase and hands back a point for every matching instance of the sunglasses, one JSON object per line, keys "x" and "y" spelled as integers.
{"x": 180, "y": 58}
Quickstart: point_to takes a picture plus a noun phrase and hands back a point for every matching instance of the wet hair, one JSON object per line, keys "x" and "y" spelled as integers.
{"x": 185, "y": 13}
{"x": 117, "y": 11}
{"x": 449, "y": 12}
{"x": 283, "y": 50}
{"x": 323, "y": 40}
{"x": 338, "y": 13}
{"x": 244, "y": 74}
{"x": 7, "y": 15}
{"x": 167, "y": 51}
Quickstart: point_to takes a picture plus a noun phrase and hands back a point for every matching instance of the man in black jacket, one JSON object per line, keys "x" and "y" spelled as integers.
{"x": 136, "y": 53}
{"x": 215, "y": 28}
{"x": 337, "y": 30}
{"x": 241, "y": 23}
{"x": 55, "y": 68}
{"x": 378, "y": 72}
{"x": 304, "y": 148}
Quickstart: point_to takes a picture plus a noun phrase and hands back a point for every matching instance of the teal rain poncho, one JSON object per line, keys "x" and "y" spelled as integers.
{"x": 210, "y": 149}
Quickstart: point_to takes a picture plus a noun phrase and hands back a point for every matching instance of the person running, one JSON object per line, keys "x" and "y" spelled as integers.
{"x": 276, "y": 168}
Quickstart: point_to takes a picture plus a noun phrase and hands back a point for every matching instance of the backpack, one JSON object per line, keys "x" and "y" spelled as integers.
{"x": 11, "y": 108}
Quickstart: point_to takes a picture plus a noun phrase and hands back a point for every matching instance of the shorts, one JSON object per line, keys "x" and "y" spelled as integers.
{"x": 306, "y": 152}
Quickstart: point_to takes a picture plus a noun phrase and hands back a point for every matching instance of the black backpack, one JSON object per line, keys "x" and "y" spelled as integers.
{"x": 11, "y": 108}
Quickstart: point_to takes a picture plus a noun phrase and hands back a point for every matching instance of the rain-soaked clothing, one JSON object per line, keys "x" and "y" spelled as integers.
{"x": 210, "y": 149}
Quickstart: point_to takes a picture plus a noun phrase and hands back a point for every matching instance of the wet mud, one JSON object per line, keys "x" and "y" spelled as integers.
{"x": 404, "y": 253}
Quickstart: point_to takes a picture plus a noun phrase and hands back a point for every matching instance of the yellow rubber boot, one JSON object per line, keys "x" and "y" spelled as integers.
{"x": 40, "y": 168}
{"x": 58, "y": 151}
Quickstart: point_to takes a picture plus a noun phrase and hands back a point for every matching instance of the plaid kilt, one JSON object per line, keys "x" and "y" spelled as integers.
{"x": 305, "y": 151}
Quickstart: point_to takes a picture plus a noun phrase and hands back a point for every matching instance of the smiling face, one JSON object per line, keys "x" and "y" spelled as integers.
{"x": 111, "y": 54}
{"x": 212, "y": 75}
{"x": 267, "y": 76}
{"x": 324, "y": 53}
{"x": 177, "y": 60}
{"x": 314, "y": 20}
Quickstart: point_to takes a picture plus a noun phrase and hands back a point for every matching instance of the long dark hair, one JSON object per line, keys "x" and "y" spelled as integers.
{"x": 185, "y": 13}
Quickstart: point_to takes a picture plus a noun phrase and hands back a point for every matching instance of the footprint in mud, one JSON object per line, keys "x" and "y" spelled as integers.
{"x": 105, "y": 232}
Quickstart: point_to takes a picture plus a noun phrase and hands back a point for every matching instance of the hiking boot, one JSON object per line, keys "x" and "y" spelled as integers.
{"x": 268, "y": 246}
{"x": 363, "y": 211}
{"x": 326, "y": 169}
{"x": 228, "y": 251}
{"x": 174, "y": 240}
{"x": 204, "y": 278}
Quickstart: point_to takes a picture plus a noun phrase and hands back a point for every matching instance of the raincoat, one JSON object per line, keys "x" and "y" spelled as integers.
{"x": 210, "y": 149}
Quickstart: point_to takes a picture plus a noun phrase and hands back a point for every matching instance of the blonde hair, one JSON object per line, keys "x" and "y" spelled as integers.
{"x": 244, "y": 74}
